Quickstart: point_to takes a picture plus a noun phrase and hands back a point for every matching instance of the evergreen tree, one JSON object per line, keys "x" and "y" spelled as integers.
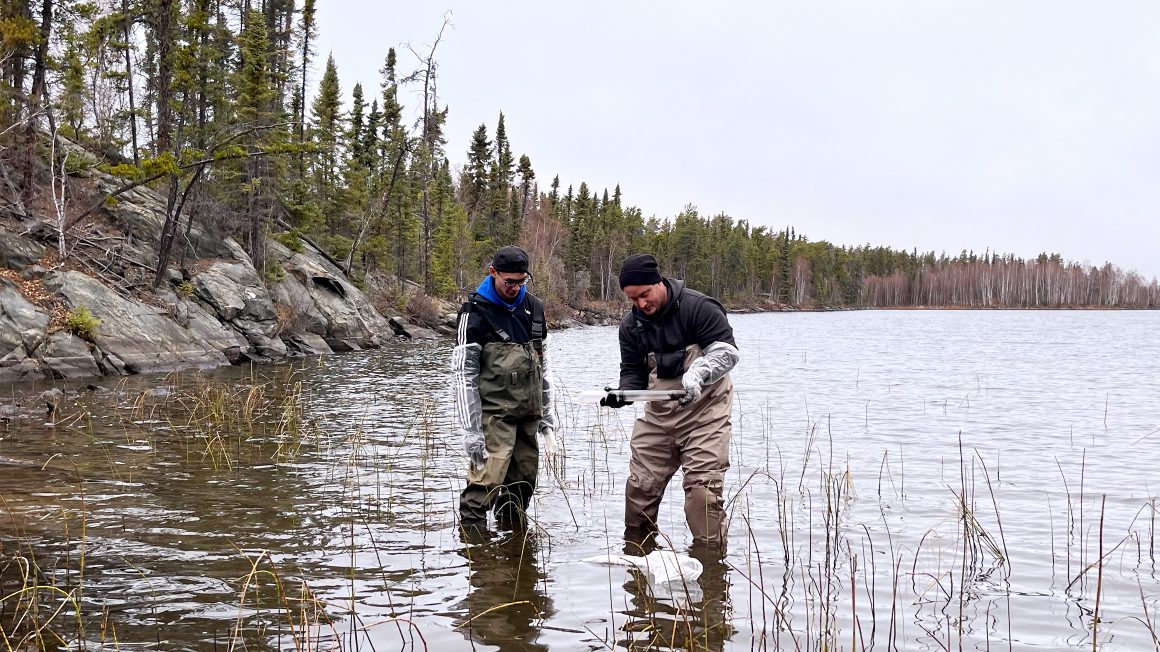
{"x": 451, "y": 253}
{"x": 476, "y": 182}
{"x": 72, "y": 97}
{"x": 307, "y": 28}
{"x": 326, "y": 113}
{"x": 554, "y": 196}
{"x": 370, "y": 142}
{"x": 527, "y": 177}
{"x": 397, "y": 227}
{"x": 355, "y": 139}
{"x": 255, "y": 96}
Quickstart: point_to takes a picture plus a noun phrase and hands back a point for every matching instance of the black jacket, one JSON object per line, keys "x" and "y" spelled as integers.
{"x": 487, "y": 322}
{"x": 688, "y": 317}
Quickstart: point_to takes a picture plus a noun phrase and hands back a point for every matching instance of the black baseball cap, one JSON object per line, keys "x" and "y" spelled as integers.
{"x": 510, "y": 259}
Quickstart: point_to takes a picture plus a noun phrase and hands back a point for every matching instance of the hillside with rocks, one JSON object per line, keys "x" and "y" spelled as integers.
{"x": 93, "y": 311}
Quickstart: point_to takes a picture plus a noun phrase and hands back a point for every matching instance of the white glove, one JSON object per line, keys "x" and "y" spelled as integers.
{"x": 692, "y": 381}
{"x": 551, "y": 440}
{"x": 475, "y": 447}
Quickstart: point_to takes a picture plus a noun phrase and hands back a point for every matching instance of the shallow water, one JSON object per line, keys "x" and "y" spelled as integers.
{"x": 855, "y": 434}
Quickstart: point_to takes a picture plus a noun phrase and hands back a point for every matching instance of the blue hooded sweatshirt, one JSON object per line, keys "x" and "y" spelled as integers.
{"x": 487, "y": 291}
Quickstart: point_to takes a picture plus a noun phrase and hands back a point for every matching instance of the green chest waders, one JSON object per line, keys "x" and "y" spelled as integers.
{"x": 511, "y": 380}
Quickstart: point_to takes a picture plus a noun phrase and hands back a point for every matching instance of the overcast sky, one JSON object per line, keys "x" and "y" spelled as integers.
{"x": 1016, "y": 126}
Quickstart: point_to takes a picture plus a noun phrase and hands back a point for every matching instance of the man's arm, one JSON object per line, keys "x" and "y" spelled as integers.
{"x": 709, "y": 324}
{"x": 633, "y": 361}
{"x": 465, "y": 361}
{"x": 549, "y": 412}
{"x": 715, "y": 337}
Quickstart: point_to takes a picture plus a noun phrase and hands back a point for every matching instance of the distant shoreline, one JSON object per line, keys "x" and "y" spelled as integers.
{"x": 744, "y": 310}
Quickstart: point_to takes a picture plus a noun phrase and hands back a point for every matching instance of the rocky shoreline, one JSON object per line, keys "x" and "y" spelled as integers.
{"x": 93, "y": 311}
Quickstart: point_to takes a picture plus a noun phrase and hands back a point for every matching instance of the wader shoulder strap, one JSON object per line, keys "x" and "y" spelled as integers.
{"x": 485, "y": 312}
{"x": 535, "y": 310}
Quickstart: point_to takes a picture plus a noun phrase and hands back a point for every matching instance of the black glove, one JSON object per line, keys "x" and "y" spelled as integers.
{"x": 613, "y": 401}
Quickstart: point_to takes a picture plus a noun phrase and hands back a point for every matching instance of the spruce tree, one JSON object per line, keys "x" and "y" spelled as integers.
{"x": 255, "y": 93}
{"x": 451, "y": 252}
{"x": 476, "y": 181}
{"x": 326, "y": 112}
{"x": 307, "y": 28}
{"x": 527, "y": 177}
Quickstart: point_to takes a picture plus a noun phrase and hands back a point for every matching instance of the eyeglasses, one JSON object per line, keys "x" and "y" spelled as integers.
{"x": 512, "y": 282}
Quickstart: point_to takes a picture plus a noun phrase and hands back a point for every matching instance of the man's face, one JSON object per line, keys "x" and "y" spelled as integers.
{"x": 507, "y": 284}
{"x": 647, "y": 298}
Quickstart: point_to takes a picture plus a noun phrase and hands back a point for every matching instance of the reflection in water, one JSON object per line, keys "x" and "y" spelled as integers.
{"x": 677, "y": 615}
{"x": 507, "y": 598}
{"x": 873, "y": 456}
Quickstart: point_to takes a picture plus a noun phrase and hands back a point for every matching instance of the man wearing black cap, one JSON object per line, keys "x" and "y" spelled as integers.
{"x": 502, "y": 391}
{"x": 676, "y": 338}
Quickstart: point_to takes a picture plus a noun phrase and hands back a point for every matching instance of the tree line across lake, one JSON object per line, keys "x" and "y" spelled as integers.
{"x": 212, "y": 103}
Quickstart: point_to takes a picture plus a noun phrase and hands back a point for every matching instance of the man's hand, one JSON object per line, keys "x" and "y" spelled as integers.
{"x": 613, "y": 401}
{"x": 692, "y": 382}
{"x": 551, "y": 441}
{"x": 476, "y": 448}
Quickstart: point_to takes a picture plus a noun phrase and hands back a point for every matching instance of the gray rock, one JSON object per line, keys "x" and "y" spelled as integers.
{"x": 263, "y": 337}
{"x": 342, "y": 346}
{"x": 411, "y": 331}
{"x": 306, "y": 344}
{"x": 323, "y": 302}
{"x": 204, "y": 327}
{"x": 220, "y": 289}
{"x": 306, "y": 317}
{"x": 421, "y": 333}
{"x": 111, "y": 365}
{"x": 235, "y": 292}
{"x": 17, "y": 251}
{"x": 142, "y": 211}
{"x": 134, "y": 337}
{"x": 33, "y": 272}
{"x": 203, "y": 324}
{"x": 398, "y": 327}
{"x": 52, "y": 399}
{"x": 231, "y": 317}
{"x": 22, "y": 324}
{"x": 236, "y": 252}
{"x": 66, "y": 356}
{"x": 260, "y": 308}
{"x": 17, "y": 366}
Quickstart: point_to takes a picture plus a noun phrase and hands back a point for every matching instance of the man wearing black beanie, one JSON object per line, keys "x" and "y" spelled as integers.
{"x": 676, "y": 338}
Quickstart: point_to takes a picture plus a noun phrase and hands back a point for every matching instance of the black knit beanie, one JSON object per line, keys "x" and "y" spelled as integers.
{"x": 639, "y": 269}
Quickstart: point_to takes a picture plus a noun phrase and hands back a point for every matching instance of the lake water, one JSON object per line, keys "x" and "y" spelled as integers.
{"x": 916, "y": 480}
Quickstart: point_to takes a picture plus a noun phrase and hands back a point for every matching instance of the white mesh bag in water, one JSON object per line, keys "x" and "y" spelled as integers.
{"x": 660, "y": 566}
